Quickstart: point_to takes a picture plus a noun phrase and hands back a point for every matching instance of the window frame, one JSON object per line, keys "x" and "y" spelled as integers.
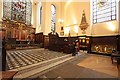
{"x": 112, "y": 11}
{"x": 52, "y": 21}
{"x": 41, "y": 15}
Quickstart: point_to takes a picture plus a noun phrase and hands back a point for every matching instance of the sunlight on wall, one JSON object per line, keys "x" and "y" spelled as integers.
{"x": 68, "y": 2}
{"x": 76, "y": 29}
{"x": 67, "y": 30}
{"x": 111, "y": 26}
{"x": 74, "y": 18}
{"x": 60, "y": 20}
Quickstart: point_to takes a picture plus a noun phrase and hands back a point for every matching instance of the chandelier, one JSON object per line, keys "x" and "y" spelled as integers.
{"x": 83, "y": 25}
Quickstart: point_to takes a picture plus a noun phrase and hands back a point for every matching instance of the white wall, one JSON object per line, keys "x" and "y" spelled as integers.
{"x": 45, "y": 27}
{"x": 37, "y": 20}
{"x": 47, "y": 18}
{"x": 106, "y": 28}
{"x": 73, "y": 14}
{"x": 36, "y": 16}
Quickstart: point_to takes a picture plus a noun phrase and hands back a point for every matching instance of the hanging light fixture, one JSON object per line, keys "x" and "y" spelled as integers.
{"x": 83, "y": 25}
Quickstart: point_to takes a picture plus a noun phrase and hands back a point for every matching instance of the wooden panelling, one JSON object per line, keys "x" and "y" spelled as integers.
{"x": 39, "y": 38}
{"x": 104, "y": 44}
{"x": 46, "y": 41}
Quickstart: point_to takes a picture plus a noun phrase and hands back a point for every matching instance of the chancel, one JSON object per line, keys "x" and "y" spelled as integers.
{"x": 53, "y": 39}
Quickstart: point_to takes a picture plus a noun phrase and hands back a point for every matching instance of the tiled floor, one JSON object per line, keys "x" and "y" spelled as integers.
{"x": 85, "y": 66}
{"x": 20, "y": 58}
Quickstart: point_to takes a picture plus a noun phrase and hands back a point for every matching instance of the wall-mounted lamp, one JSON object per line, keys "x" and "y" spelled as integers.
{"x": 61, "y": 24}
{"x": 60, "y": 21}
{"x": 62, "y": 31}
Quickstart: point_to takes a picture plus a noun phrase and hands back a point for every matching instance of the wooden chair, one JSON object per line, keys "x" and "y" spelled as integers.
{"x": 118, "y": 62}
{"x": 116, "y": 56}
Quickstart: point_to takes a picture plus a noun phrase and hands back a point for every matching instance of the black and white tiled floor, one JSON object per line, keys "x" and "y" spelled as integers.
{"x": 20, "y": 58}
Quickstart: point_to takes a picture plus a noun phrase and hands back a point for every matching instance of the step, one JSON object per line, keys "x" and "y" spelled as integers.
{"x": 31, "y": 70}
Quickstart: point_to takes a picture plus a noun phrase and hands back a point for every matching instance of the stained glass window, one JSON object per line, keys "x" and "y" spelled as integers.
{"x": 7, "y": 9}
{"x": 28, "y": 12}
{"x": 41, "y": 15}
{"x": 18, "y": 10}
{"x": 53, "y": 17}
{"x": 104, "y": 10}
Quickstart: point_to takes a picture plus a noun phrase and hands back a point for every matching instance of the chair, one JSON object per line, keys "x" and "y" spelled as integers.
{"x": 118, "y": 62}
{"x": 116, "y": 55}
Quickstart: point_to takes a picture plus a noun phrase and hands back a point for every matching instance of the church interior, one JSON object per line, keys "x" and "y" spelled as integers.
{"x": 37, "y": 39}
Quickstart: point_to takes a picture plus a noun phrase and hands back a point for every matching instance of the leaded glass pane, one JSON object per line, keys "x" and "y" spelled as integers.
{"x": 53, "y": 17}
{"x": 28, "y": 12}
{"x": 18, "y": 10}
{"x": 41, "y": 15}
{"x": 6, "y": 9}
{"x": 104, "y": 10}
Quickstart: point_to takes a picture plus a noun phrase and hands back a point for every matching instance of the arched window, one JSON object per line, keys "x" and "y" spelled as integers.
{"x": 41, "y": 15}
{"x": 104, "y": 10}
{"x": 53, "y": 17}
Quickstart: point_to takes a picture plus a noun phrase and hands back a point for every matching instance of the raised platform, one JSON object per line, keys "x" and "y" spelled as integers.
{"x": 20, "y": 58}
{"x": 30, "y": 62}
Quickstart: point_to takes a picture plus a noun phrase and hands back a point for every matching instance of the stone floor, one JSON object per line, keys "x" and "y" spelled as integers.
{"x": 84, "y": 67}
{"x": 20, "y": 58}
{"x": 100, "y": 63}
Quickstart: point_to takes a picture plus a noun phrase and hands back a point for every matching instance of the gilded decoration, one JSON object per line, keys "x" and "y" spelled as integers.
{"x": 83, "y": 25}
